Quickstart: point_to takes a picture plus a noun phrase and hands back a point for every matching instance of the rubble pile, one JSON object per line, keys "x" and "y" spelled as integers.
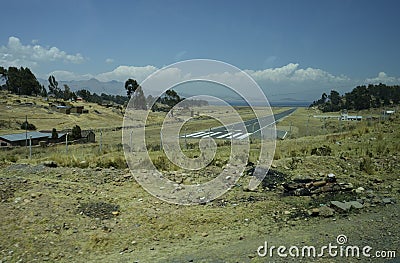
{"x": 308, "y": 186}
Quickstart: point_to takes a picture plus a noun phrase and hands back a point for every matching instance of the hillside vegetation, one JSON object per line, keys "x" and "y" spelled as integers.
{"x": 89, "y": 207}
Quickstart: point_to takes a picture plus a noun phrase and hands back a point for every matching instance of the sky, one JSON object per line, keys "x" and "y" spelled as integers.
{"x": 295, "y": 49}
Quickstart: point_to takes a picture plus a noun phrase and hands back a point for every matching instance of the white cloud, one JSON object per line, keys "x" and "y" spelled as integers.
{"x": 382, "y": 78}
{"x": 109, "y": 60}
{"x": 17, "y": 54}
{"x": 292, "y": 73}
{"x": 64, "y": 75}
{"x": 289, "y": 81}
{"x": 122, "y": 73}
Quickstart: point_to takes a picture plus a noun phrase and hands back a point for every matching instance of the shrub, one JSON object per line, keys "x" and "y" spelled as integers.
{"x": 28, "y": 126}
{"x": 366, "y": 165}
{"x": 54, "y": 134}
{"x": 76, "y": 132}
{"x": 322, "y": 151}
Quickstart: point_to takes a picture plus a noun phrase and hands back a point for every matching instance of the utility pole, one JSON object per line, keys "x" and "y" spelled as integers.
{"x": 101, "y": 139}
{"x": 66, "y": 143}
{"x": 30, "y": 147}
{"x": 161, "y": 140}
{"x": 186, "y": 145}
{"x": 131, "y": 143}
{"x": 26, "y": 131}
{"x": 209, "y": 137}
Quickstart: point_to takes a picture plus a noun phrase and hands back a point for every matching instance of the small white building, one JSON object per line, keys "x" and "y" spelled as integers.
{"x": 388, "y": 112}
{"x": 346, "y": 117}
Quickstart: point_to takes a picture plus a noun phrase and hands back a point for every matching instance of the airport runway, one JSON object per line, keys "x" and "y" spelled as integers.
{"x": 236, "y": 131}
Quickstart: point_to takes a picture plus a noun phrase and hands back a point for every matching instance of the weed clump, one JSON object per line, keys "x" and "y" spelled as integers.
{"x": 322, "y": 151}
{"x": 366, "y": 165}
{"x": 100, "y": 210}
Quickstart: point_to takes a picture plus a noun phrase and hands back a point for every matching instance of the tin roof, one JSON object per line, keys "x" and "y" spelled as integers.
{"x": 21, "y": 136}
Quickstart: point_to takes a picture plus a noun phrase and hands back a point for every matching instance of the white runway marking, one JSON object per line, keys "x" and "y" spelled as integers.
{"x": 194, "y": 134}
{"x": 224, "y": 135}
{"x": 212, "y": 134}
{"x": 244, "y": 136}
{"x": 200, "y": 135}
{"x": 234, "y": 135}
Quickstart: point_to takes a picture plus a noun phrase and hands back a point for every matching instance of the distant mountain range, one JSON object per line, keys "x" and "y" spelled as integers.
{"x": 117, "y": 88}
{"x": 93, "y": 85}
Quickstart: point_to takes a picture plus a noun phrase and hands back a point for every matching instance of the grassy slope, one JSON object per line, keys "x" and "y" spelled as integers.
{"x": 41, "y": 218}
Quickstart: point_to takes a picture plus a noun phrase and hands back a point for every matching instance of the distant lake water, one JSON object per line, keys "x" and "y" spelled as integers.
{"x": 274, "y": 103}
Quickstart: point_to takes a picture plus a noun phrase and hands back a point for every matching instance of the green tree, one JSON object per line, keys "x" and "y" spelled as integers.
{"x": 54, "y": 134}
{"x": 139, "y": 100}
{"x": 3, "y": 73}
{"x": 335, "y": 101}
{"x": 131, "y": 85}
{"x": 67, "y": 94}
{"x": 53, "y": 86}
{"x": 76, "y": 132}
{"x": 28, "y": 126}
{"x": 21, "y": 81}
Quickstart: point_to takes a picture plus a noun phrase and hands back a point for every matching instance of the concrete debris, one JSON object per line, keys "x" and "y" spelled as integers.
{"x": 325, "y": 211}
{"x": 387, "y": 201}
{"x": 301, "y": 188}
{"x": 355, "y": 204}
{"x": 51, "y": 164}
{"x": 359, "y": 190}
{"x": 341, "y": 206}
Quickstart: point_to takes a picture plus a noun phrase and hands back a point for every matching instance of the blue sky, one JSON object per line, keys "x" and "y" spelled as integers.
{"x": 290, "y": 45}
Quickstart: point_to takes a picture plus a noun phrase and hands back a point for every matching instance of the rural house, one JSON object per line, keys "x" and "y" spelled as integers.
{"x": 89, "y": 135}
{"x": 22, "y": 139}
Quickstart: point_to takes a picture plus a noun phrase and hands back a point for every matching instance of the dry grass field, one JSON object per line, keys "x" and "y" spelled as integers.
{"x": 90, "y": 208}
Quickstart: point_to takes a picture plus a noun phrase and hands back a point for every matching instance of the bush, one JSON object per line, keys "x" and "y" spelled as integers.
{"x": 28, "y": 126}
{"x": 162, "y": 163}
{"x": 54, "y": 134}
{"x": 76, "y": 132}
{"x": 322, "y": 151}
{"x": 366, "y": 165}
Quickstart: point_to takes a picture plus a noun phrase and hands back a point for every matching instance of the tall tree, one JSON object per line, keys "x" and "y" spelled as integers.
{"x": 131, "y": 85}
{"x": 53, "y": 86}
{"x": 3, "y": 73}
{"x": 21, "y": 81}
{"x": 67, "y": 94}
{"x": 139, "y": 100}
{"x": 335, "y": 100}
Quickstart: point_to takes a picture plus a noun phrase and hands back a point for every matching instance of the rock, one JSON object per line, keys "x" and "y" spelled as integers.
{"x": 359, "y": 190}
{"x": 325, "y": 211}
{"x": 303, "y": 179}
{"x": 204, "y": 234}
{"x": 313, "y": 212}
{"x": 51, "y": 164}
{"x": 342, "y": 206}
{"x": 286, "y": 212}
{"x": 360, "y": 200}
{"x": 386, "y": 200}
{"x": 376, "y": 200}
{"x": 331, "y": 178}
{"x": 377, "y": 181}
{"x": 115, "y": 213}
{"x": 356, "y": 204}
